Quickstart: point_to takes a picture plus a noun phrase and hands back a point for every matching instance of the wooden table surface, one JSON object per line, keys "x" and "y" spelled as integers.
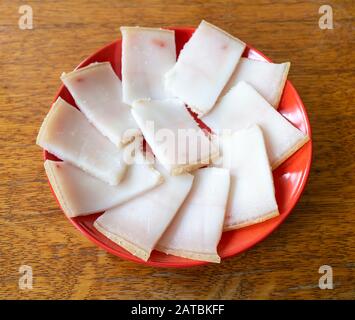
{"x": 34, "y": 232}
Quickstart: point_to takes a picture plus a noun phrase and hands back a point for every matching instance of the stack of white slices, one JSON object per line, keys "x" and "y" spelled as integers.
{"x": 179, "y": 192}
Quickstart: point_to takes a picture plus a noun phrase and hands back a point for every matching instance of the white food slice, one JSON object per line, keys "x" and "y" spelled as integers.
{"x": 267, "y": 78}
{"x": 81, "y": 194}
{"x": 204, "y": 66}
{"x": 174, "y": 136}
{"x": 252, "y": 195}
{"x": 66, "y": 133}
{"x": 243, "y": 106}
{"x": 197, "y": 227}
{"x": 97, "y": 92}
{"x": 138, "y": 224}
{"x": 147, "y": 54}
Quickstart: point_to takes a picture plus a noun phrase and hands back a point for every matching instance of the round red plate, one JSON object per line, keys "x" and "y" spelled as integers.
{"x": 290, "y": 178}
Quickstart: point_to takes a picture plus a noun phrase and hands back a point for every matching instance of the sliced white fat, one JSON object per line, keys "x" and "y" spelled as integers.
{"x": 147, "y": 54}
{"x": 81, "y": 194}
{"x": 203, "y": 67}
{"x": 243, "y": 106}
{"x": 138, "y": 224}
{"x": 97, "y": 92}
{"x": 252, "y": 196}
{"x": 197, "y": 227}
{"x": 174, "y": 136}
{"x": 66, "y": 133}
{"x": 267, "y": 78}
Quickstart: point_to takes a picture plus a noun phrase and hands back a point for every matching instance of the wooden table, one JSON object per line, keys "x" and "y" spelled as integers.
{"x": 65, "y": 265}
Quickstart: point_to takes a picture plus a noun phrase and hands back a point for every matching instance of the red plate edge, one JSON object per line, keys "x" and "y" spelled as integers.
{"x": 269, "y": 225}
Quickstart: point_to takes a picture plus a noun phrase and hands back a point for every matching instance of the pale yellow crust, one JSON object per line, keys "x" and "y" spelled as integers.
{"x": 282, "y": 85}
{"x": 186, "y": 168}
{"x": 52, "y": 112}
{"x": 127, "y": 140}
{"x": 161, "y": 178}
{"x": 137, "y": 28}
{"x": 289, "y": 153}
{"x": 75, "y": 72}
{"x": 224, "y": 32}
{"x": 191, "y": 255}
{"x": 251, "y": 222}
{"x": 199, "y": 113}
{"x": 48, "y": 166}
{"x": 129, "y": 246}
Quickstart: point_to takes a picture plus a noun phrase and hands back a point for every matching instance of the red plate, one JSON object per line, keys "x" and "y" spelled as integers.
{"x": 290, "y": 178}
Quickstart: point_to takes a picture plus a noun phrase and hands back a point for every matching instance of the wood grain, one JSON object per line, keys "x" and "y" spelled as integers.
{"x": 66, "y": 265}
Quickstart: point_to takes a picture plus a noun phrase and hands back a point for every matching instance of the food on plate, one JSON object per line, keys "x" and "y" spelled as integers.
{"x": 197, "y": 227}
{"x": 174, "y": 136}
{"x": 179, "y": 151}
{"x": 147, "y": 54}
{"x": 243, "y": 106}
{"x": 267, "y": 78}
{"x": 252, "y": 195}
{"x": 203, "y": 67}
{"x": 138, "y": 224}
{"x": 66, "y": 133}
{"x": 81, "y": 194}
{"x": 97, "y": 92}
